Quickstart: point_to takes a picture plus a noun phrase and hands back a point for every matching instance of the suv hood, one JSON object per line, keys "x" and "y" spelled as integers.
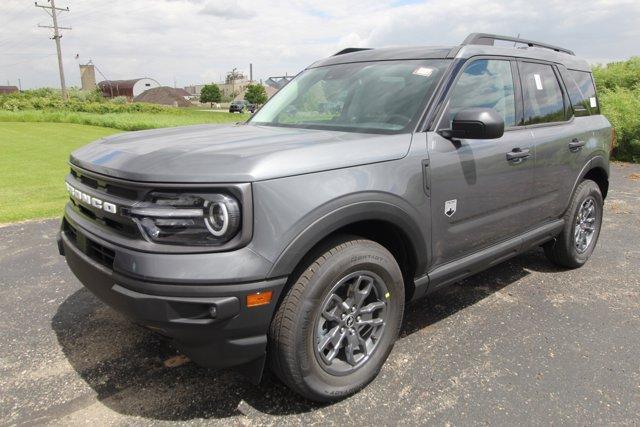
{"x": 238, "y": 153}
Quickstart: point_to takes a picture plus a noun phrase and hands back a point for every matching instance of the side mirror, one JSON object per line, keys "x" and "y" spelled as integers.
{"x": 475, "y": 123}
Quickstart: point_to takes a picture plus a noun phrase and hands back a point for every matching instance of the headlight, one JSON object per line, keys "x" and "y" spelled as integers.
{"x": 188, "y": 219}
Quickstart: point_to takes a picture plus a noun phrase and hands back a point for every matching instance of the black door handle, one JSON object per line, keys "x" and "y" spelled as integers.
{"x": 576, "y": 144}
{"x": 517, "y": 154}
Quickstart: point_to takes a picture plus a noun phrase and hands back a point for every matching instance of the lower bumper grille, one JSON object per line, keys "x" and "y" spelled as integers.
{"x": 91, "y": 248}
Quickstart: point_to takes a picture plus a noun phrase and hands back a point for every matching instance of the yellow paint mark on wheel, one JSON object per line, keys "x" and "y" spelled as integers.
{"x": 387, "y": 295}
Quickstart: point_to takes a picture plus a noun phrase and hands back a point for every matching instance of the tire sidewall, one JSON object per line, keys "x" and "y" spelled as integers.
{"x": 588, "y": 189}
{"x": 367, "y": 256}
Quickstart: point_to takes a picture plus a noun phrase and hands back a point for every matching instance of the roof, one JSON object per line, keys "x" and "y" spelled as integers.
{"x": 474, "y": 45}
{"x": 163, "y": 95}
{"x": 8, "y": 89}
{"x": 181, "y": 92}
{"x": 122, "y": 84}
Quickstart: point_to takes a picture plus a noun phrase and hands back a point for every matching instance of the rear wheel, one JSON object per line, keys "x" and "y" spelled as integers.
{"x": 583, "y": 220}
{"x": 338, "y": 322}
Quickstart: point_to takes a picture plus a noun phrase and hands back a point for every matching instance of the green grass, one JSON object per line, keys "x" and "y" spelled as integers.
{"x": 33, "y": 164}
{"x": 124, "y": 121}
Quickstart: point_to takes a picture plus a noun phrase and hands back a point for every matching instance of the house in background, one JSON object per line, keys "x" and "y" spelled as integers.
{"x": 8, "y": 89}
{"x": 127, "y": 88}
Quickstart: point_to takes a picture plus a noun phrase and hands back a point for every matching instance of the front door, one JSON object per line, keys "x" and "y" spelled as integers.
{"x": 478, "y": 196}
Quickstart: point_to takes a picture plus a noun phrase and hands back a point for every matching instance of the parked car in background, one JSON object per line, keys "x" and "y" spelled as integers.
{"x": 240, "y": 106}
{"x": 374, "y": 178}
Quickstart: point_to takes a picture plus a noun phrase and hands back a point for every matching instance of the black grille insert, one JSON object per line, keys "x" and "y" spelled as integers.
{"x": 92, "y": 249}
{"x": 102, "y": 254}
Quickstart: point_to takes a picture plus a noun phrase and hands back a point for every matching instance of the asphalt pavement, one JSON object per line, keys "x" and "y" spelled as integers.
{"x": 522, "y": 343}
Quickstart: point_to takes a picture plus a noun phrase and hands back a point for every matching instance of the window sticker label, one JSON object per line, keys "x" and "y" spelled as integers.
{"x": 538, "y": 80}
{"x": 592, "y": 102}
{"x": 423, "y": 71}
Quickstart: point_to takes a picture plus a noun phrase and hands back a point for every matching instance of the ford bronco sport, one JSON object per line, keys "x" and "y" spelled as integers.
{"x": 294, "y": 240}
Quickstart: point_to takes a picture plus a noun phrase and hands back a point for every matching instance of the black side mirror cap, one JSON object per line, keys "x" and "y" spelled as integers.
{"x": 475, "y": 123}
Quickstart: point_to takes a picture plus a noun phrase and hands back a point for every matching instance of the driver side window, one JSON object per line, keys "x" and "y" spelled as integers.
{"x": 486, "y": 83}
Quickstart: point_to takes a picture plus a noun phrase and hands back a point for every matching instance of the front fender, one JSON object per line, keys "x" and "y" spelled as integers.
{"x": 340, "y": 213}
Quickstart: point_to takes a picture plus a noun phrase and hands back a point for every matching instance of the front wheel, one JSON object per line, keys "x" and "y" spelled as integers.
{"x": 337, "y": 324}
{"x": 582, "y": 222}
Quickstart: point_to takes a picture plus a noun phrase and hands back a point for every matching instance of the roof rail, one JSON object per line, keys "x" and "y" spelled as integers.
{"x": 351, "y": 49}
{"x": 489, "y": 39}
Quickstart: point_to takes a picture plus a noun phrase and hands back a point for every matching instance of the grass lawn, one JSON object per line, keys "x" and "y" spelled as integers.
{"x": 125, "y": 121}
{"x": 33, "y": 164}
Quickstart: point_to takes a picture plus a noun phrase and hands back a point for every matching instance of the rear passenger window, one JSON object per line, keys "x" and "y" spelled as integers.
{"x": 543, "y": 100}
{"x": 587, "y": 89}
{"x": 486, "y": 83}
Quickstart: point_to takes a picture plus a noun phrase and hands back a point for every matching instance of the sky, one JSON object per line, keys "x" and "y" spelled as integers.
{"x": 185, "y": 42}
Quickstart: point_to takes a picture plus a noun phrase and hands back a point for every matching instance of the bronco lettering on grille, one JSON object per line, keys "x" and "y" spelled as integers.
{"x": 90, "y": 200}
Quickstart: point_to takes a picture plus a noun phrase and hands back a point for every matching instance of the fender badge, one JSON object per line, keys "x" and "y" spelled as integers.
{"x": 450, "y": 207}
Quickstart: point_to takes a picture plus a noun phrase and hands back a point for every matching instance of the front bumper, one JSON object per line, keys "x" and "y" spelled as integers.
{"x": 208, "y": 321}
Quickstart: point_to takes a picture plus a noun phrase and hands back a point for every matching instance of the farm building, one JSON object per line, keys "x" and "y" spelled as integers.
{"x": 164, "y": 96}
{"x": 127, "y": 88}
{"x": 8, "y": 89}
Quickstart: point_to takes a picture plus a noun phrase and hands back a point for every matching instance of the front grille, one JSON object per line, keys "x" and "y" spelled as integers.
{"x": 106, "y": 190}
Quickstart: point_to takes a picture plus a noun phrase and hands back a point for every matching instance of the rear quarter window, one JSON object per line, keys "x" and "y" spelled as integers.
{"x": 583, "y": 96}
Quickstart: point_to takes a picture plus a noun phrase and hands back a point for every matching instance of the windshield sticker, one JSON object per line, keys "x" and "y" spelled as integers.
{"x": 423, "y": 71}
{"x": 593, "y": 102}
{"x": 538, "y": 80}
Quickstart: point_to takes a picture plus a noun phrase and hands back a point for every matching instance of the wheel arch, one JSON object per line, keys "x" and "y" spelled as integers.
{"x": 380, "y": 221}
{"x": 596, "y": 169}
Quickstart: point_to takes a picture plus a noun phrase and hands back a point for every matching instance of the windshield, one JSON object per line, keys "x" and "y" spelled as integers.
{"x": 383, "y": 96}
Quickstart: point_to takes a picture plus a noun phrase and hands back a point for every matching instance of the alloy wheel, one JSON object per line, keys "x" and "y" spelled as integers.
{"x": 351, "y": 322}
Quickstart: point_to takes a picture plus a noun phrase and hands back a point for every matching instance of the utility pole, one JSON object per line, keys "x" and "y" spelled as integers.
{"x": 53, "y": 12}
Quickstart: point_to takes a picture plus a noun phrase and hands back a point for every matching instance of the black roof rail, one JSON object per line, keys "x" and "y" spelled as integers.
{"x": 351, "y": 49}
{"x": 489, "y": 39}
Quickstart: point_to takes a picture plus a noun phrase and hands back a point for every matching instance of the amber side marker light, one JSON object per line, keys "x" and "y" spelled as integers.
{"x": 259, "y": 298}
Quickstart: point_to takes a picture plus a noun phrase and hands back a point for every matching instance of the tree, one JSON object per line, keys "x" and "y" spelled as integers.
{"x": 210, "y": 93}
{"x": 256, "y": 94}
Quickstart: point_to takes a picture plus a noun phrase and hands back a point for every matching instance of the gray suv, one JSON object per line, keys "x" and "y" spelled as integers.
{"x": 295, "y": 240}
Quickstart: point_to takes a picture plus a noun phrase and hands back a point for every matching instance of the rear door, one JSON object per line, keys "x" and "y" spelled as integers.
{"x": 559, "y": 137}
{"x": 478, "y": 197}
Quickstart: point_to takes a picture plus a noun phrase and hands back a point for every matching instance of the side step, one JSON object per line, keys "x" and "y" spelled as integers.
{"x": 457, "y": 270}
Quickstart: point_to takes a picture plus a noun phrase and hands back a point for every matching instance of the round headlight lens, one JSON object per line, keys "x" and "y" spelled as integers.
{"x": 222, "y": 215}
{"x": 217, "y": 218}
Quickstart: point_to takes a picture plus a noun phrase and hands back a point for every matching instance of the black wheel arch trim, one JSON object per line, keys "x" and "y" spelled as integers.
{"x": 342, "y": 215}
{"x": 596, "y": 161}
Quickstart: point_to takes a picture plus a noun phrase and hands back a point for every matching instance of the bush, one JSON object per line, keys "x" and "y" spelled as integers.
{"x": 79, "y": 101}
{"x": 622, "y": 107}
{"x": 619, "y": 91}
{"x": 618, "y": 74}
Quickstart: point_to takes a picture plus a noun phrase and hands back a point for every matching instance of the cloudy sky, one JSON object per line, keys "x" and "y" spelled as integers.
{"x": 195, "y": 41}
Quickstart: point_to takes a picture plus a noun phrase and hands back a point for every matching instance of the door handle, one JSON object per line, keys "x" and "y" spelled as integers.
{"x": 576, "y": 145}
{"x": 517, "y": 155}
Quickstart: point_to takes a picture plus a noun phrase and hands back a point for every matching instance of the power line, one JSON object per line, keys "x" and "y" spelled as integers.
{"x": 53, "y": 12}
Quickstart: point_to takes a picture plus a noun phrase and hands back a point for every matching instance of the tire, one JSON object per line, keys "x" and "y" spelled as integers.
{"x": 569, "y": 249}
{"x": 301, "y": 326}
